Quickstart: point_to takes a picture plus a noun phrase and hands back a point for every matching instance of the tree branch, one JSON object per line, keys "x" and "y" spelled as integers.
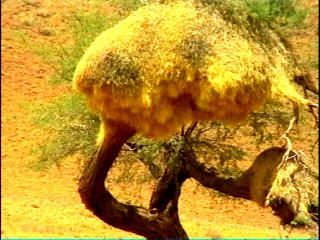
{"x": 212, "y": 178}
{"x": 306, "y": 83}
{"x": 153, "y": 168}
{"x": 127, "y": 217}
{"x": 169, "y": 185}
{"x": 190, "y": 129}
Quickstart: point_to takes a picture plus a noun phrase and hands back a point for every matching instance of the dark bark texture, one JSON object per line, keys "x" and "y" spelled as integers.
{"x": 161, "y": 220}
{"x": 150, "y": 223}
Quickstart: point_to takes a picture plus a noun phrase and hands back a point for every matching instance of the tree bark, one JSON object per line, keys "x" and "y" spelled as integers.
{"x": 161, "y": 220}
{"x": 168, "y": 187}
{"x": 211, "y": 177}
{"x": 151, "y": 224}
{"x": 307, "y": 83}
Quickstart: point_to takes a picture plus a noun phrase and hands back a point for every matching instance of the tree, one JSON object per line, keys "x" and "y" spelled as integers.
{"x": 117, "y": 76}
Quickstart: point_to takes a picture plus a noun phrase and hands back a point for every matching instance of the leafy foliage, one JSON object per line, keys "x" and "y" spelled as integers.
{"x": 74, "y": 129}
{"x": 72, "y": 125}
{"x": 278, "y": 13}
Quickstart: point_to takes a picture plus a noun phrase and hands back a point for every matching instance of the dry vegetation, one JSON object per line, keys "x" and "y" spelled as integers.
{"x": 169, "y": 65}
{"x": 46, "y": 204}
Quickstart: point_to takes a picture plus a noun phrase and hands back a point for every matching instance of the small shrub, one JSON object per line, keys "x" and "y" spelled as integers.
{"x": 302, "y": 220}
{"x": 85, "y": 28}
{"x": 33, "y": 3}
{"x": 313, "y": 209}
{"x": 47, "y": 31}
{"x": 29, "y": 21}
{"x": 73, "y": 127}
{"x": 128, "y": 5}
{"x": 283, "y": 14}
{"x": 44, "y": 13}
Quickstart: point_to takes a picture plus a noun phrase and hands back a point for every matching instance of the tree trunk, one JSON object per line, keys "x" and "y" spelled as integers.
{"x": 152, "y": 223}
{"x": 161, "y": 220}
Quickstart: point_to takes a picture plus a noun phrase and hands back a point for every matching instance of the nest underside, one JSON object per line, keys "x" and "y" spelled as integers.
{"x": 168, "y": 65}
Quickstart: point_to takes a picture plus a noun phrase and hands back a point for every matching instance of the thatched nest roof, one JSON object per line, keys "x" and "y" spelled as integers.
{"x": 169, "y": 64}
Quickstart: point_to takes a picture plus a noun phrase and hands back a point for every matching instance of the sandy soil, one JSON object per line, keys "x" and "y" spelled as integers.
{"x": 46, "y": 204}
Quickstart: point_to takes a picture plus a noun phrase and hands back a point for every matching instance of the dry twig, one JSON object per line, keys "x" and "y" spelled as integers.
{"x": 289, "y": 144}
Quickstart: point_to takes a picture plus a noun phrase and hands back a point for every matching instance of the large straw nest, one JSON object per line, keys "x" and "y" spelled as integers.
{"x": 169, "y": 64}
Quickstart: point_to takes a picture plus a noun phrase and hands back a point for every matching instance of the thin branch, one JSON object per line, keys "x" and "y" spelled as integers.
{"x": 296, "y": 112}
{"x": 190, "y": 130}
{"x": 182, "y": 131}
{"x": 285, "y": 136}
{"x": 306, "y": 84}
{"x": 204, "y": 143}
{"x": 153, "y": 168}
{"x": 312, "y": 106}
{"x": 199, "y": 132}
{"x": 286, "y": 133}
{"x": 315, "y": 144}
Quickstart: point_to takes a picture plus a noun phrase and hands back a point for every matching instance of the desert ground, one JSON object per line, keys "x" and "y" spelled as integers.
{"x": 46, "y": 204}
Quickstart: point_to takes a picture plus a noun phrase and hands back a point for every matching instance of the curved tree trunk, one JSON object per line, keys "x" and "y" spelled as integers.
{"x": 161, "y": 220}
{"x": 152, "y": 223}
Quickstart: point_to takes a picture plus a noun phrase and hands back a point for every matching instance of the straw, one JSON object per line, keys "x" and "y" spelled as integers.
{"x": 167, "y": 65}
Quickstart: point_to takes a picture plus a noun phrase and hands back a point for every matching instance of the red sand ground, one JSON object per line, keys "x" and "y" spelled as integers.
{"x": 46, "y": 204}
